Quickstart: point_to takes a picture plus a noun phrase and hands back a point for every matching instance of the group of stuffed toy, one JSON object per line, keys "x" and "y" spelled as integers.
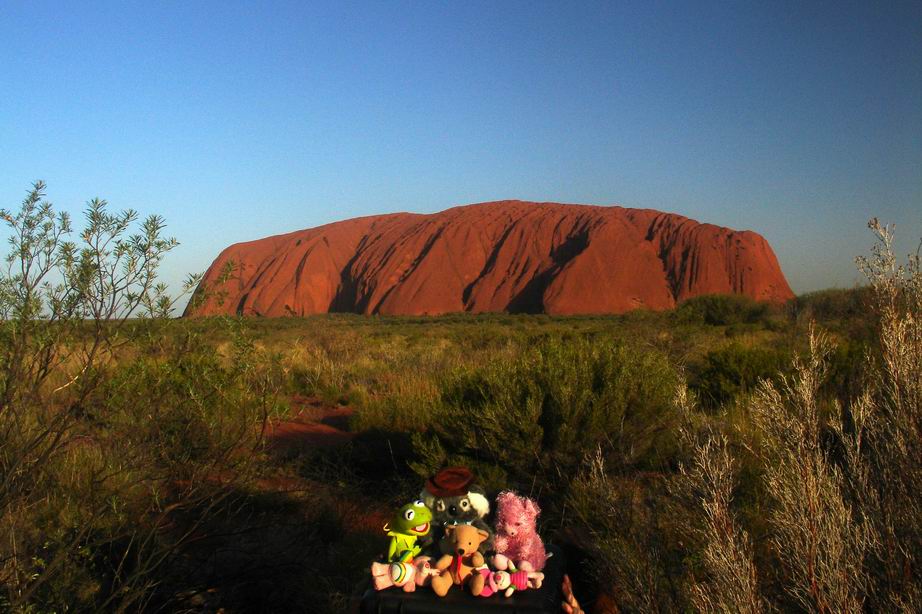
{"x": 443, "y": 540}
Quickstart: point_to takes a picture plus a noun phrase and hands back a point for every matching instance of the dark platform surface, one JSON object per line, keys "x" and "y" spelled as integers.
{"x": 458, "y": 601}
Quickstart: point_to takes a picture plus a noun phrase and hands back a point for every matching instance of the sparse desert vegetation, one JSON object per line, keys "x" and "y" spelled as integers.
{"x": 725, "y": 456}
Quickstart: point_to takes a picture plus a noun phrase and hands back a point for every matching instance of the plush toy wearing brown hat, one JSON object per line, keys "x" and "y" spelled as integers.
{"x": 454, "y": 498}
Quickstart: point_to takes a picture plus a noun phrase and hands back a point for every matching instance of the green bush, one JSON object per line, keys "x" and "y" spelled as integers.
{"x": 722, "y": 310}
{"x": 188, "y": 409}
{"x": 834, "y": 304}
{"x": 552, "y": 405}
{"x": 733, "y": 370}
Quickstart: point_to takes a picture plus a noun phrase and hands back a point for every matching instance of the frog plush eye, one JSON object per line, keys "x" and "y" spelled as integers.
{"x": 409, "y": 514}
{"x": 419, "y": 503}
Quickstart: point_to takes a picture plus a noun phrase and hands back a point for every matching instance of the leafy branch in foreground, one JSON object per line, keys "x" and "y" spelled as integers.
{"x": 53, "y": 288}
{"x": 98, "y": 450}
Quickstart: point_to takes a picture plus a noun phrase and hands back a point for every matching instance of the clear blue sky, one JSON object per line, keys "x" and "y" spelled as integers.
{"x": 241, "y": 120}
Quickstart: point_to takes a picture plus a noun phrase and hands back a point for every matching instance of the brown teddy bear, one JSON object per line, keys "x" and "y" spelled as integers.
{"x": 457, "y": 568}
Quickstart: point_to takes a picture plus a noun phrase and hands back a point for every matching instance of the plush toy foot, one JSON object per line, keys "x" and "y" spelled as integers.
{"x": 537, "y": 579}
{"x": 477, "y": 583}
{"x": 441, "y": 584}
{"x": 381, "y": 574}
{"x": 526, "y": 566}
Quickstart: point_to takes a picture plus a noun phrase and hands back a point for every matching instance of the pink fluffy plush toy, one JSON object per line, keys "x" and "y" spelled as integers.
{"x": 517, "y": 538}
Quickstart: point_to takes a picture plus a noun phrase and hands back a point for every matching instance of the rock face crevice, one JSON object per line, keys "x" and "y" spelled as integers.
{"x": 510, "y": 256}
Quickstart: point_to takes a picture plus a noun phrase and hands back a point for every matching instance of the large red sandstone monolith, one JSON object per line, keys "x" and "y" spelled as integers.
{"x": 502, "y": 256}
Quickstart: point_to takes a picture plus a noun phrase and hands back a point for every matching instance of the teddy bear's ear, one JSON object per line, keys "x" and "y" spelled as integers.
{"x": 484, "y": 534}
{"x": 532, "y": 508}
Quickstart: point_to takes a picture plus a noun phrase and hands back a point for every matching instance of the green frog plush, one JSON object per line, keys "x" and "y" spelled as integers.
{"x": 411, "y": 522}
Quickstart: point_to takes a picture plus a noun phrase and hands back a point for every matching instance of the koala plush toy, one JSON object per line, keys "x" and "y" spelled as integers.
{"x": 454, "y": 499}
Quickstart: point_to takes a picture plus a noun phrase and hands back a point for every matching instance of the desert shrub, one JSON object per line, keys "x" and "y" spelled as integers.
{"x": 735, "y": 369}
{"x": 189, "y": 407}
{"x": 817, "y": 535}
{"x": 846, "y": 369}
{"x": 731, "y": 583}
{"x": 722, "y": 310}
{"x": 723, "y": 575}
{"x": 551, "y": 405}
{"x": 843, "y": 481}
{"x": 488, "y": 418}
{"x": 848, "y": 313}
{"x": 847, "y": 513}
{"x": 630, "y": 528}
{"x": 833, "y": 304}
{"x": 883, "y": 433}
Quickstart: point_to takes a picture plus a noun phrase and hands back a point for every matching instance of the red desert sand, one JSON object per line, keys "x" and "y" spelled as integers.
{"x": 507, "y": 256}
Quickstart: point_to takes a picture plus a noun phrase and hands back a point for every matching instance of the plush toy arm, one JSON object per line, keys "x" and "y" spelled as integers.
{"x": 444, "y": 562}
{"x": 500, "y": 562}
{"x": 477, "y": 560}
{"x": 538, "y": 553}
{"x": 392, "y": 549}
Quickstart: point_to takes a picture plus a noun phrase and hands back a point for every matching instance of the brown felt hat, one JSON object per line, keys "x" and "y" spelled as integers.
{"x": 450, "y": 482}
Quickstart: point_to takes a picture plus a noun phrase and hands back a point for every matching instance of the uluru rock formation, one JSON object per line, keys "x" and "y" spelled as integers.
{"x": 509, "y": 256}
